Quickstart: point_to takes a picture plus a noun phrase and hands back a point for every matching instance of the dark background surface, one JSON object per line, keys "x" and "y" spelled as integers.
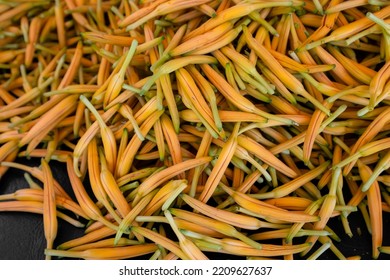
{"x": 22, "y": 236}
